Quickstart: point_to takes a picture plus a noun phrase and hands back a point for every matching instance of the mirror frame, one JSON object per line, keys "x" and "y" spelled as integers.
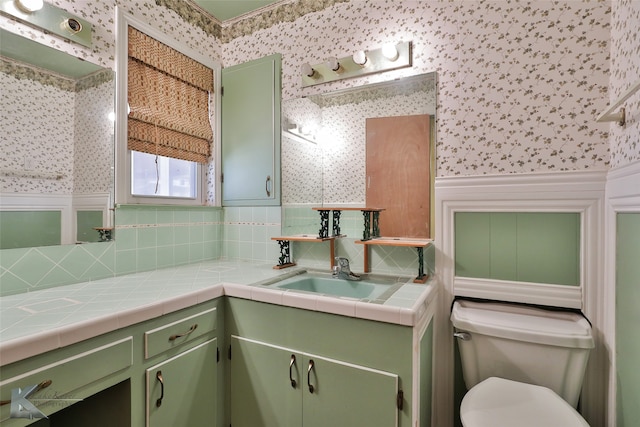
{"x": 63, "y": 71}
{"x": 408, "y": 80}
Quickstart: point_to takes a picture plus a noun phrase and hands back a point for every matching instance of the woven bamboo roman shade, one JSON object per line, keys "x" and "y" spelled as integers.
{"x": 168, "y": 95}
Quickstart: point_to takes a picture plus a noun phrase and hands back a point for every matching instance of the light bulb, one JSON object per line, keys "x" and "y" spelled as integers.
{"x": 360, "y": 58}
{"x": 307, "y": 70}
{"x": 333, "y": 64}
{"x": 390, "y": 52}
{"x": 29, "y": 6}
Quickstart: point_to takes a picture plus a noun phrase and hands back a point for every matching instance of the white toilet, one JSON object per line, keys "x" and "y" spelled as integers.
{"x": 523, "y": 366}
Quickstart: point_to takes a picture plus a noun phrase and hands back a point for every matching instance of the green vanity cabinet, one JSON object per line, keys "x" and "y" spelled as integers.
{"x": 182, "y": 390}
{"x": 279, "y": 387}
{"x": 261, "y": 393}
{"x": 181, "y": 380}
{"x": 112, "y": 379}
{"x": 361, "y": 370}
{"x": 250, "y": 111}
{"x": 103, "y": 363}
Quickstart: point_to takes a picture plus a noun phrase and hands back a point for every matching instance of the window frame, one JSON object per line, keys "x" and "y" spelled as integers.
{"x": 123, "y": 158}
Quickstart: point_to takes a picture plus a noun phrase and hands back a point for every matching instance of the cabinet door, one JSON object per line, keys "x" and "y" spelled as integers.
{"x": 251, "y": 133}
{"x": 344, "y": 394}
{"x": 262, "y": 393}
{"x": 185, "y": 388}
{"x": 347, "y": 395}
{"x": 398, "y": 173}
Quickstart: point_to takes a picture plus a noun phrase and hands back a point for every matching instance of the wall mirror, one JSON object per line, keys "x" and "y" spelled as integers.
{"x": 331, "y": 151}
{"x": 56, "y": 168}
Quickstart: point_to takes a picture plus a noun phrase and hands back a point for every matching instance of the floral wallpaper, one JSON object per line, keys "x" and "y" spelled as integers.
{"x": 301, "y": 159}
{"x": 94, "y": 138}
{"x": 519, "y": 83}
{"x": 65, "y": 142}
{"x": 102, "y": 16}
{"x": 39, "y": 144}
{"x": 625, "y": 71}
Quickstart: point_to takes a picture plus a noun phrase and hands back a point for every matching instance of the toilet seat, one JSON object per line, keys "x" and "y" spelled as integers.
{"x": 497, "y": 402}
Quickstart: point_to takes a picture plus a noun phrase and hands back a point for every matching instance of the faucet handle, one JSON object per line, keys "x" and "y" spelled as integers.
{"x": 342, "y": 262}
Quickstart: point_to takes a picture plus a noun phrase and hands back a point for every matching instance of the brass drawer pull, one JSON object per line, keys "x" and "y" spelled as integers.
{"x": 291, "y": 363}
{"x": 311, "y": 388}
{"x": 159, "y": 378}
{"x": 183, "y": 334}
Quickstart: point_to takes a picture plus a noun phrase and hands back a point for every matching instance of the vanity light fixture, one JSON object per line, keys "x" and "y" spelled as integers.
{"x": 390, "y": 57}
{"x": 307, "y": 70}
{"x": 360, "y": 58}
{"x": 49, "y": 18}
{"x": 333, "y": 64}
{"x": 29, "y": 6}
{"x": 390, "y": 52}
{"x": 299, "y": 133}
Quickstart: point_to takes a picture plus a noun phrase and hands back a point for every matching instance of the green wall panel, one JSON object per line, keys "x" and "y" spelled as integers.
{"x": 472, "y": 240}
{"x": 538, "y": 247}
{"x": 86, "y": 220}
{"x": 548, "y": 248}
{"x": 628, "y": 319}
{"x": 503, "y": 247}
{"x": 23, "y": 229}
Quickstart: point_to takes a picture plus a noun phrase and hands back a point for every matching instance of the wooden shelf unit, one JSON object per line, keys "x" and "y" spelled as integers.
{"x": 419, "y": 244}
{"x": 371, "y": 236}
{"x": 285, "y": 248}
{"x": 371, "y": 220}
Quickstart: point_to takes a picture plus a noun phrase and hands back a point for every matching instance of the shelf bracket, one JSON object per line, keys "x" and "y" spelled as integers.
{"x": 284, "y": 260}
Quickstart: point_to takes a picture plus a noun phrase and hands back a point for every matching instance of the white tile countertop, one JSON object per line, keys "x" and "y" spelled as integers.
{"x": 32, "y": 323}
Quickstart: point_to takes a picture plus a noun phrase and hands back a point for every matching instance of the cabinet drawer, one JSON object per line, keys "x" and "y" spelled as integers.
{"x": 179, "y": 332}
{"x": 62, "y": 377}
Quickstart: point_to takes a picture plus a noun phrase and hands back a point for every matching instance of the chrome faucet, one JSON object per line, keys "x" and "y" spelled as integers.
{"x": 342, "y": 271}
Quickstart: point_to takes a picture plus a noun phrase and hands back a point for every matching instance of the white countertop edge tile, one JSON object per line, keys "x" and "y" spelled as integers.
{"x": 378, "y": 312}
{"x": 235, "y": 290}
{"x": 27, "y": 346}
{"x": 33, "y": 344}
{"x": 86, "y": 329}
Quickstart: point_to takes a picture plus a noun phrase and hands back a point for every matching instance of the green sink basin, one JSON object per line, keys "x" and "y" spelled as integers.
{"x": 364, "y": 289}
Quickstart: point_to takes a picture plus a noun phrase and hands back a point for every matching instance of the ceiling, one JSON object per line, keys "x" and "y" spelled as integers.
{"x": 225, "y": 10}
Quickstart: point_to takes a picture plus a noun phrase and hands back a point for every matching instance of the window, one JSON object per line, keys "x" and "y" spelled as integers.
{"x": 153, "y": 175}
{"x": 169, "y": 122}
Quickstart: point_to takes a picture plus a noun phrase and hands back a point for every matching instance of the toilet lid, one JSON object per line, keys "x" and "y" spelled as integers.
{"x": 497, "y": 402}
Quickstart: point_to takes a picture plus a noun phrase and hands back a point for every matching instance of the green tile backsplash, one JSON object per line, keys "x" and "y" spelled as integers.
{"x": 301, "y": 219}
{"x": 146, "y": 238}
{"x": 248, "y": 232}
{"x": 151, "y": 237}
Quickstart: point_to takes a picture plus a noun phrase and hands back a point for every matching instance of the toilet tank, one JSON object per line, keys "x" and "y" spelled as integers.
{"x": 521, "y": 343}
